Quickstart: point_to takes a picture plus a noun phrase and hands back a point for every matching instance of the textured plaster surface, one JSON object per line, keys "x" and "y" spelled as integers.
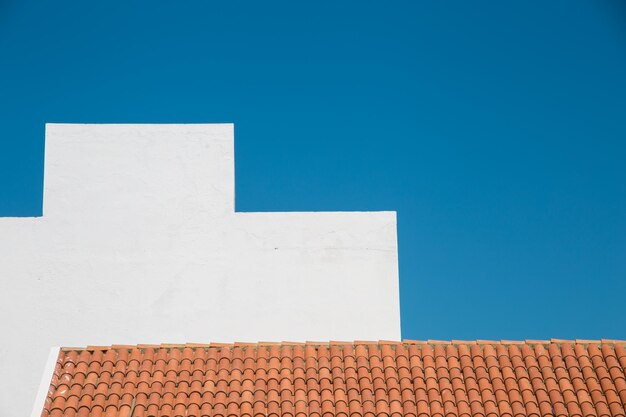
{"x": 139, "y": 243}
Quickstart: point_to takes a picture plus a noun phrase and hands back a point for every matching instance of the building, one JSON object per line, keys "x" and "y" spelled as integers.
{"x": 139, "y": 242}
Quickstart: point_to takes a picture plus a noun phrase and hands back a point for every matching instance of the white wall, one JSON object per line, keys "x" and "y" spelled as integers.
{"x": 139, "y": 243}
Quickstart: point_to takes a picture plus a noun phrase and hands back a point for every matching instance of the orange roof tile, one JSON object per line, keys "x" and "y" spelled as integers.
{"x": 426, "y": 379}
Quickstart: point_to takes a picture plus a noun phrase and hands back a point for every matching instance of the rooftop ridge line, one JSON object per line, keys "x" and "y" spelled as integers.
{"x": 479, "y": 342}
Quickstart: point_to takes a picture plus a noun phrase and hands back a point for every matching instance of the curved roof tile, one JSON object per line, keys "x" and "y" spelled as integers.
{"x": 582, "y": 378}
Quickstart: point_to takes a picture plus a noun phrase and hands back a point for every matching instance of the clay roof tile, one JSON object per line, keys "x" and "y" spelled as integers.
{"x": 482, "y": 378}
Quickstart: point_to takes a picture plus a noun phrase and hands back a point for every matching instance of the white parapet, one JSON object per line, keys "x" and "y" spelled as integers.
{"x": 139, "y": 243}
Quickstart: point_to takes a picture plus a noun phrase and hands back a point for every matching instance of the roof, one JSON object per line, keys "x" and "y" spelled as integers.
{"x": 411, "y": 378}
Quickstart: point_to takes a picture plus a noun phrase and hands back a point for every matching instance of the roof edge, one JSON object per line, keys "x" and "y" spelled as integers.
{"x": 44, "y": 384}
{"x": 406, "y": 342}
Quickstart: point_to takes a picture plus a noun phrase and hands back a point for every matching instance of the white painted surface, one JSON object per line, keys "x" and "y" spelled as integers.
{"x": 139, "y": 243}
{"x": 44, "y": 383}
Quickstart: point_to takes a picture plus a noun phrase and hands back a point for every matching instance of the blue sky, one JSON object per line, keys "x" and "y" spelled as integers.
{"x": 497, "y": 131}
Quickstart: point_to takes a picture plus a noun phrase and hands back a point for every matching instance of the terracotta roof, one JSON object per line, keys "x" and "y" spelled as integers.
{"x": 422, "y": 379}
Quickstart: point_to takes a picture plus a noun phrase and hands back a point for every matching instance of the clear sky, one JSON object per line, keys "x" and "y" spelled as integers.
{"x": 497, "y": 131}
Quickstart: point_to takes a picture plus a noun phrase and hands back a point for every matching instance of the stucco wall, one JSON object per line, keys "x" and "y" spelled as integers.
{"x": 139, "y": 243}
